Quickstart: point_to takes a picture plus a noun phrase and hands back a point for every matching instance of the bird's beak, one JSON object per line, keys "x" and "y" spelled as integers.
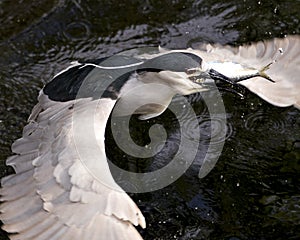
{"x": 215, "y": 75}
{"x": 197, "y": 75}
{"x": 207, "y": 78}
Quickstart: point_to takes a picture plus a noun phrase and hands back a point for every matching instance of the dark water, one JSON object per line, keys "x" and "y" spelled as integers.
{"x": 253, "y": 192}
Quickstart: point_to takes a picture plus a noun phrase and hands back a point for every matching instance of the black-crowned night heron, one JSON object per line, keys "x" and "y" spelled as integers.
{"x": 53, "y": 196}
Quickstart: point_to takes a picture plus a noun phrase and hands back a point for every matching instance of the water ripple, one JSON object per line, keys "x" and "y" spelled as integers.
{"x": 261, "y": 120}
{"x": 77, "y": 30}
{"x": 213, "y": 130}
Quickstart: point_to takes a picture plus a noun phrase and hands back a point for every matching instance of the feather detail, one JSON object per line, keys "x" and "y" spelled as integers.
{"x": 53, "y": 193}
{"x": 283, "y": 53}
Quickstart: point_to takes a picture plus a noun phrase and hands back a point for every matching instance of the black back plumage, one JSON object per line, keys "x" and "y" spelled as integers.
{"x": 90, "y": 79}
{"x": 103, "y": 78}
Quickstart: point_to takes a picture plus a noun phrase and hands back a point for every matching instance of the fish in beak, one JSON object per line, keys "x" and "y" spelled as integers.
{"x": 228, "y": 73}
{"x": 231, "y": 72}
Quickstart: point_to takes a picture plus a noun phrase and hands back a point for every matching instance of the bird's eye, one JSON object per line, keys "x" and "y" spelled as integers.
{"x": 190, "y": 71}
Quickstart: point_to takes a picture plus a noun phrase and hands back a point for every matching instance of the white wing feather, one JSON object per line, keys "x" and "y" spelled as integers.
{"x": 285, "y": 71}
{"x": 53, "y": 195}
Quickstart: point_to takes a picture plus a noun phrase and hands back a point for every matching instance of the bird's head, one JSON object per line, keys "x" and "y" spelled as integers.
{"x": 185, "y": 72}
{"x": 149, "y": 88}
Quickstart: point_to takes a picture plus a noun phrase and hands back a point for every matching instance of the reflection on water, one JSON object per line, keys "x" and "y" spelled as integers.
{"x": 253, "y": 192}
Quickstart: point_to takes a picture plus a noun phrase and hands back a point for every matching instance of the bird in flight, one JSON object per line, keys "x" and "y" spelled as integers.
{"x": 62, "y": 187}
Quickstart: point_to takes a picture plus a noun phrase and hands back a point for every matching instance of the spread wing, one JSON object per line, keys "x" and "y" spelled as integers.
{"x": 284, "y": 71}
{"x": 53, "y": 194}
